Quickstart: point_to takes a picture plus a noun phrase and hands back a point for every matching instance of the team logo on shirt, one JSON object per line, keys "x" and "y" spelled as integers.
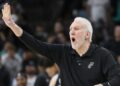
{"x": 91, "y": 64}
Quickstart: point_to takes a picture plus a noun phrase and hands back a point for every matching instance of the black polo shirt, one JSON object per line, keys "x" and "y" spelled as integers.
{"x": 95, "y": 67}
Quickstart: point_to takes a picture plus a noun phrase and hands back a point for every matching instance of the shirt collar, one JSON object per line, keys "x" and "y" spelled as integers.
{"x": 88, "y": 53}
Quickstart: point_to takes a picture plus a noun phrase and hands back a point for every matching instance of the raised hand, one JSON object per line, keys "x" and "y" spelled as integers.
{"x": 6, "y": 12}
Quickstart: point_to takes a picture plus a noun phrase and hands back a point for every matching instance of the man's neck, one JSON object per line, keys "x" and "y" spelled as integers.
{"x": 83, "y": 49}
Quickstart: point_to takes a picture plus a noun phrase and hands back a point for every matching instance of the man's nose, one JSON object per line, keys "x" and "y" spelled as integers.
{"x": 72, "y": 32}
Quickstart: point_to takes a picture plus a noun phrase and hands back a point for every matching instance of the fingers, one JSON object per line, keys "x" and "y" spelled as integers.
{"x": 6, "y": 11}
{"x": 7, "y": 8}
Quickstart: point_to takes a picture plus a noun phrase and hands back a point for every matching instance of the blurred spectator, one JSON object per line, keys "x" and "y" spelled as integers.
{"x": 114, "y": 44}
{"x": 40, "y": 33}
{"x": 42, "y": 78}
{"x": 60, "y": 35}
{"x": 52, "y": 70}
{"x": 5, "y": 79}
{"x": 100, "y": 34}
{"x": 58, "y": 27}
{"x": 59, "y": 38}
{"x": 11, "y": 59}
{"x": 31, "y": 72}
{"x": 27, "y": 57}
{"x": 62, "y": 38}
{"x": 81, "y": 9}
{"x": 51, "y": 38}
{"x": 98, "y": 9}
{"x": 53, "y": 73}
{"x": 21, "y": 79}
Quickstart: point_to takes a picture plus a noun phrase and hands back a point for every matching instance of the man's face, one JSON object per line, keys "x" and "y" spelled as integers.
{"x": 30, "y": 70}
{"x": 51, "y": 71}
{"x": 21, "y": 81}
{"x": 77, "y": 34}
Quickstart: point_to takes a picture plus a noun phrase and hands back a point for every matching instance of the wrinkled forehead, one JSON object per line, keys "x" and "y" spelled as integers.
{"x": 77, "y": 24}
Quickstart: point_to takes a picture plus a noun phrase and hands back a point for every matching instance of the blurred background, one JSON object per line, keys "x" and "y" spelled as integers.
{"x": 49, "y": 21}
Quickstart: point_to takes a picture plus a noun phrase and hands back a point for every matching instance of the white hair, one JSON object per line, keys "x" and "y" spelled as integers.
{"x": 87, "y": 24}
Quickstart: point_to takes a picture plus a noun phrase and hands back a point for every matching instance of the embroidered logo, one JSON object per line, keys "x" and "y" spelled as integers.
{"x": 90, "y": 65}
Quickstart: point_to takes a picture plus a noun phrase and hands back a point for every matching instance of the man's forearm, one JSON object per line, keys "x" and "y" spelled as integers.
{"x": 16, "y": 30}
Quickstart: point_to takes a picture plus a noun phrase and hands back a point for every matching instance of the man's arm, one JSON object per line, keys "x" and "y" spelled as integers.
{"x": 111, "y": 70}
{"x": 50, "y": 50}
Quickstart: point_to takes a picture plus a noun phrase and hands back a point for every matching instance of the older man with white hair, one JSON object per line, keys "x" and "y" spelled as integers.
{"x": 81, "y": 63}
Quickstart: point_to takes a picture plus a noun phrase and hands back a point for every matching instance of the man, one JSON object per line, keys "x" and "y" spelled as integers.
{"x": 31, "y": 72}
{"x": 11, "y": 59}
{"x": 98, "y": 9}
{"x": 114, "y": 44}
{"x": 21, "y": 79}
{"x": 82, "y": 63}
{"x": 5, "y": 79}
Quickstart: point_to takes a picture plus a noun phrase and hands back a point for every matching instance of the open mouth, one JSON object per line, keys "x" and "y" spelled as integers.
{"x": 73, "y": 39}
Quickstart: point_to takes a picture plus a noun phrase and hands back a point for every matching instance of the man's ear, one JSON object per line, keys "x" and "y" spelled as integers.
{"x": 88, "y": 35}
